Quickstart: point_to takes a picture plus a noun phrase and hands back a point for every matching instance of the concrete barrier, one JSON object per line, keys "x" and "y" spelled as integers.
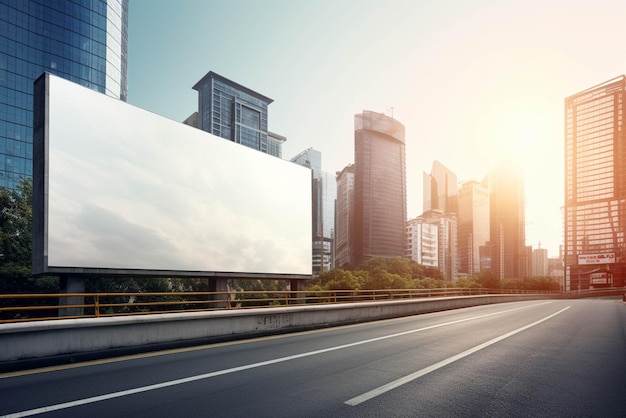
{"x": 32, "y": 344}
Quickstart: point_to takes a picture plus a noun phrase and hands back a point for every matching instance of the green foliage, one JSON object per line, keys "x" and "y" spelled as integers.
{"x": 381, "y": 273}
{"x": 433, "y": 272}
{"x": 127, "y": 285}
{"x": 257, "y": 285}
{"x": 16, "y": 218}
{"x": 531, "y": 283}
{"x": 340, "y": 279}
{"x": 467, "y": 283}
{"x": 542, "y": 283}
{"x": 488, "y": 280}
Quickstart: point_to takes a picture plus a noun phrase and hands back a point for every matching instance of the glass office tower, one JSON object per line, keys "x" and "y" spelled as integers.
{"x": 235, "y": 112}
{"x": 380, "y": 187}
{"x": 595, "y": 187}
{"x": 324, "y": 188}
{"x": 507, "y": 226}
{"x": 83, "y": 41}
{"x": 344, "y": 210}
{"x": 473, "y": 226}
{"x": 440, "y": 189}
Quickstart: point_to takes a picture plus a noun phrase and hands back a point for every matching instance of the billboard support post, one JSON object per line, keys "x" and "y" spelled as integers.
{"x": 297, "y": 286}
{"x": 71, "y": 284}
{"x": 218, "y": 284}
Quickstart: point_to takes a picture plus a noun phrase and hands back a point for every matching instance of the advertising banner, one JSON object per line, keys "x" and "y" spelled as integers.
{"x": 602, "y": 258}
{"x": 120, "y": 190}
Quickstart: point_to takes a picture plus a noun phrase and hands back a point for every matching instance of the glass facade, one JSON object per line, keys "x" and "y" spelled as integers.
{"x": 508, "y": 256}
{"x": 324, "y": 188}
{"x": 380, "y": 187}
{"x": 275, "y": 144}
{"x": 344, "y": 209}
{"x": 234, "y": 112}
{"x": 473, "y": 226}
{"x": 83, "y": 41}
{"x": 595, "y": 184}
{"x": 440, "y": 189}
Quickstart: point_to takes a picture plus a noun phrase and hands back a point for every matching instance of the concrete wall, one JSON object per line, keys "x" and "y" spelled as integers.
{"x": 79, "y": 339}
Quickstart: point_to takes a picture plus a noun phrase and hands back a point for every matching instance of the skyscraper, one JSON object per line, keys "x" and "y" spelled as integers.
{"x": 507, "y": 226}
{"x": 539, "y": 263}
{"x": 85, "y": 42}
{"x": 422, "y": 242}
{"x": 324, "y": 189}
{"x": 235, "y": 112}
{"x": 344, "y": 210}
{"x": 441, "y": 207}
{"x": 380, "y": 187}
{"x": 473, "y": 226}
{"x": 595, "y": 186}
{"x": 440, "y": 189}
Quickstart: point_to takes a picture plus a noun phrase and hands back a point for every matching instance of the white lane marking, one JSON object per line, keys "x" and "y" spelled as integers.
{"x": 119, "y": 394}
{"x": 409, "y": 378}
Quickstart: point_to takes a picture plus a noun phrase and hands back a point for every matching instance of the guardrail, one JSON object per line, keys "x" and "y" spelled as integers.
{"x": 39, "y": 307}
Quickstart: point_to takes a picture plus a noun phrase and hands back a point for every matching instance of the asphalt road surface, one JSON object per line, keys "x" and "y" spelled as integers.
{"x": 561, "y": 358}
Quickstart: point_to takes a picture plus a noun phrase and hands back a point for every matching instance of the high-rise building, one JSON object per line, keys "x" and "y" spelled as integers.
{"x": 440, "y": 189}
{"x": 422, "y": 242}
{"x": 595, "y": 186}
{"x": 234, "y": 112}
{"x": 344, "y": 210}
{"x": 507, "y": 228}
{"x": 555, "y": 270}
{"x": 275, "y": 144}
{"x": 540, "y": 263}
{"x": 310, "y": 158}
{"x": 447, "y": 242}
{"x": 324, "y": 189}
{"x": 85, "y": 42}
{"x": 380, "y": 187}
{"x": 473, "y": 226}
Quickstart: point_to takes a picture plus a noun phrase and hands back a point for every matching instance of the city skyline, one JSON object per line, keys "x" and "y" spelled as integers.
{"x": 471, "y": 82}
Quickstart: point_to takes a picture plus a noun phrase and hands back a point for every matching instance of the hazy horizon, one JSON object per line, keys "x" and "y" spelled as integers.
{"x": 473, "y": 82}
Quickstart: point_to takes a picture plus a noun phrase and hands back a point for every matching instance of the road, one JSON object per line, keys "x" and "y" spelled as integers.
{"x": 560, "y": 358}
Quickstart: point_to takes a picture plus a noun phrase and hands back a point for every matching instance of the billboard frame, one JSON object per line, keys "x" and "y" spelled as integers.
{"x": 41, "y": 195}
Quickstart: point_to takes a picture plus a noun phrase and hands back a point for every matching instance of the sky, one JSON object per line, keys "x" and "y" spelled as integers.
{"x": 473, "y": 82}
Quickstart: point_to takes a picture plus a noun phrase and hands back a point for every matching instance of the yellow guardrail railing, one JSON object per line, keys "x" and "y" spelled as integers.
{"x": 37, "y": 307}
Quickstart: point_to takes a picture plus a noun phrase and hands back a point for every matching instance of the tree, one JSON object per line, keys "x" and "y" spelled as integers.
{"x": 339, "y": 279}
{"x": 16, "y": 219}
{"x": 488, "y": 280}
{"x": 433, "y": 273}
{"x": 467, "y": 283}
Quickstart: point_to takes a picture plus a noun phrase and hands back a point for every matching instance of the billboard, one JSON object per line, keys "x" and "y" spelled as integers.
{"x": 598, "y": 278}
{"x": 602, "y": 258}
{"x": 120, "y": 190}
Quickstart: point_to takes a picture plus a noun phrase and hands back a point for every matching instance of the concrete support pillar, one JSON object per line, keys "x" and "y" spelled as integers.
{"x": 296, "y": 285}
{"x": 71, "y": 284}
{"x": 218, "y": 284}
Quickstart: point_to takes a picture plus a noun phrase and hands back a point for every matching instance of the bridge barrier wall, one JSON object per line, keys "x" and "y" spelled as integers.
{"x": 60, "y": 341}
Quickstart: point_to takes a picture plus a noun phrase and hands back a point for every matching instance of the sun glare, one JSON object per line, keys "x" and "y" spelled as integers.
{"x": 523, "y": 132}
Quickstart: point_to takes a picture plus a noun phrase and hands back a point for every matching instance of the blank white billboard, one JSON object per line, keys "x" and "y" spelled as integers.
{"x": 127, "y": 190}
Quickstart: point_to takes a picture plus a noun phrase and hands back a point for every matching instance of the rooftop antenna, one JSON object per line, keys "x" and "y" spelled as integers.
{"x": 539, "y": 244}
